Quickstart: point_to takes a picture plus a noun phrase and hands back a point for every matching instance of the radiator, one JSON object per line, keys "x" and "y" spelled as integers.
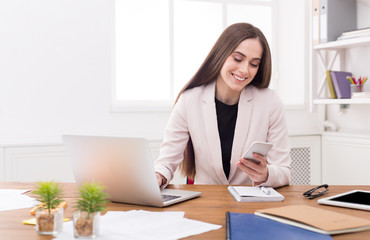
{"x": 301, "y": 165}
{"x": 305, "y": 153}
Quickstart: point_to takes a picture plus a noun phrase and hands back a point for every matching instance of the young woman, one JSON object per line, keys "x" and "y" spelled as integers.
{"x": 223, "y": 109}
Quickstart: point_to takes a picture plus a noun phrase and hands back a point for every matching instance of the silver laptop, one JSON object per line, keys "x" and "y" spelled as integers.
{"x": 124, "y": 166}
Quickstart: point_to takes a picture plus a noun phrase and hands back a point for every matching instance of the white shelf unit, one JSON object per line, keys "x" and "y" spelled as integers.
{"x": 346, "y": 43}
{"x": 338, "y": 48}
{"x": 342, "y": 101}
{"x": 347, "y": 141}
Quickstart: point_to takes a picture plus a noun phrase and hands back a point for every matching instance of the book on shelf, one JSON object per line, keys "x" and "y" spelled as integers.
{"x": 341, "y": 84}
{"x": 361, "y": 95}
{"x": 240, "y": 226}
{"x": 316, "y": 219}
{"x": 363, "y": 32}
{"x": 357, "y": 32}
{"x": 333, "y": 95}
{"x": 255, "y": 194}
{"x": 352, "y": 37}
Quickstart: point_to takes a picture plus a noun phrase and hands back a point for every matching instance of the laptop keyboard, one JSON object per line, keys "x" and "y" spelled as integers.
{"x": 166, "y": 197}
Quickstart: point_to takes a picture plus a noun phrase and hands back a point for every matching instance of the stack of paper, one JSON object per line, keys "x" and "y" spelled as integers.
{"x": 11, "y": 199}
{"x": 360, "y": 95}
{"x": 139, "y": 224}
{"x": 364, "y": 32}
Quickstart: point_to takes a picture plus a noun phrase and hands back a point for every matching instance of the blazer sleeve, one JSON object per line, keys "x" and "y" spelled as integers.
{"x": 279, "y": 156}
{"x": 175, "y": 140}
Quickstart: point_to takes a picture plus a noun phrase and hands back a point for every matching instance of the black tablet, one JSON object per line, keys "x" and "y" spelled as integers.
{"x": 358, "y": 199}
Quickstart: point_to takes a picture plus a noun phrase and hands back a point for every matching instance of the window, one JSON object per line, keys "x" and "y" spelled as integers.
{"x": 161, "y": 44}
{"x": 142, "y": 52}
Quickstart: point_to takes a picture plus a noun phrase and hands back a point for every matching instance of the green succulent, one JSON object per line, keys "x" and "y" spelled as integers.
{"x": 49, "y": 193}
{"x": 92, "y": 198}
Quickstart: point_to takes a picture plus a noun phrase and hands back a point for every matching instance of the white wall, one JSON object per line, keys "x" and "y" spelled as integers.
{"x": 363, "y": 17}
{"x": 55, "y": 72}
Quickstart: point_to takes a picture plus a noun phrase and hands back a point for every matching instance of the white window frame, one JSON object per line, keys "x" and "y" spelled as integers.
{"x": 166, "y": 106}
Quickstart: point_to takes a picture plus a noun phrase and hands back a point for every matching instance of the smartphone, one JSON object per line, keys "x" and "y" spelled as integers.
{"x": 261, "y": 148}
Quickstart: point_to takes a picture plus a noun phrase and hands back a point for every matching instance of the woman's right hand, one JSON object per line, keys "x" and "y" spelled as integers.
{"x": 160, "y": 179}
{"x": 259, "y": 172}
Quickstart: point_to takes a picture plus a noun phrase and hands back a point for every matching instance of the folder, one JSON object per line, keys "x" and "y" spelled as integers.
{"x": 315, "y": 21}
{"x": 336, "y": 16}
{"x": 241, "y": 226}
{"x": 333, "y": 95}
{"x": 341, "y": 84}
{"x": 316, "y": 219}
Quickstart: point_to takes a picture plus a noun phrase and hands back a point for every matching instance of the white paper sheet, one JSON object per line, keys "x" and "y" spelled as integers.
{"x": 11, "y": 192}
{"x": 11, "y": 199}
{"x": 139, "y": 224}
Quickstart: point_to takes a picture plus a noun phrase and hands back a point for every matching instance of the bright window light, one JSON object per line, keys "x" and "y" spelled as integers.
{"x": 142, "y": 50}
{"x": 160, "y": 45}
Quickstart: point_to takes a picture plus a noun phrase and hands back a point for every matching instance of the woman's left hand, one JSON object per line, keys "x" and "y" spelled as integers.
{"x": 258, "y": 172}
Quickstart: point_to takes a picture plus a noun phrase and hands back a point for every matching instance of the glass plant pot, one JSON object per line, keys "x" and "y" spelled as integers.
{"x": 86, "y": 226}
{"x": 49, "y": 223}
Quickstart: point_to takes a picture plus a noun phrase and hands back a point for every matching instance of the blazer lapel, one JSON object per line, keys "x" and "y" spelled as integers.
{"x": 245, "y": 109}
{"x": 211, "y": 130}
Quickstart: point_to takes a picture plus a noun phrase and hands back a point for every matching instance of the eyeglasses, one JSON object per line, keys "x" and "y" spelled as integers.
{"x": 322, "y": 190}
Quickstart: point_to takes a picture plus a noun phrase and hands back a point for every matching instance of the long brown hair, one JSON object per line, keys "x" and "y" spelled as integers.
{"x": 228, "y": 41}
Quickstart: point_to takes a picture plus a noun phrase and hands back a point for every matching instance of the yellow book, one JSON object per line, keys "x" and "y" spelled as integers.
{"x": 330, "y": 85}
{"x": 32, "y": 221}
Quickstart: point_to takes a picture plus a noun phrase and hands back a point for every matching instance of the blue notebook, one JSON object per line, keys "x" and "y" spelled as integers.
{"x": 240, "y": 226}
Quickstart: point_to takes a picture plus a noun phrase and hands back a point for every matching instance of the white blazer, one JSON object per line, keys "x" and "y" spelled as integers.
{"x": 260, "y": 118}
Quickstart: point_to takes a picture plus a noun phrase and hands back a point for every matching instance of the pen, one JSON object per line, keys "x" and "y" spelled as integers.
{"x": 266, "y": 191}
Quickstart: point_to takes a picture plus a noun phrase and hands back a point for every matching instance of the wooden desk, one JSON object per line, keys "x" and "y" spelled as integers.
{"x": 210, "y": 207}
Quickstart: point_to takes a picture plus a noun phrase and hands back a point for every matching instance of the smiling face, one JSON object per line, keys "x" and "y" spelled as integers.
{"x": 238, "y": 70}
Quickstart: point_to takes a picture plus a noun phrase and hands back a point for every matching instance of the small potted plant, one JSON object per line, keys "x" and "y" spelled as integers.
{"x": 49, "y": 217}
{"x": 92, "y": 201}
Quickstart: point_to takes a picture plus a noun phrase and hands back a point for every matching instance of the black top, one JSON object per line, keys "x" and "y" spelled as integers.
{"x": 226, "y": 120}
